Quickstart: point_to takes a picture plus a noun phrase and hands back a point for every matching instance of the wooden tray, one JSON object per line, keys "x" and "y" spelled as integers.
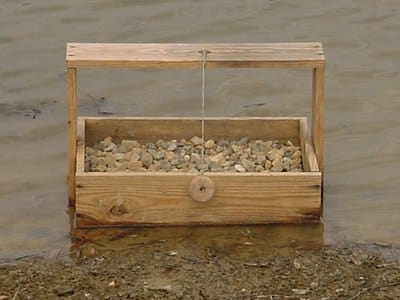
{"x": 159, "y": 198}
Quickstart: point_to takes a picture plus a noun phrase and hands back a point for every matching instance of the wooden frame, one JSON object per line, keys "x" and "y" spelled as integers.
{"x": 258, "y": 55}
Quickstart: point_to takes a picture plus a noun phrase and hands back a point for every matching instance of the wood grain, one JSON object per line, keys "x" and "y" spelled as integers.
{"x": 151, "y": 129}
{"x": 154, "y": 199}
{"x": 310, "y": 163}
{"x": 318, "y": 114}
{"x": 310, "y": 155}
{"x": 230, "y": 55}
{"x": 71, "y": 94}
{"x": 80, "y": 148}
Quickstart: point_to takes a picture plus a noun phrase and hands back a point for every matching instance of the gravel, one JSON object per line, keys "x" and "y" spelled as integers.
{"x": 242, "y": 155}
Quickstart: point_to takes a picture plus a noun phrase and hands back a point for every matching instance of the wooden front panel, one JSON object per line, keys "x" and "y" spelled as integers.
{"x": 129, "y": 199}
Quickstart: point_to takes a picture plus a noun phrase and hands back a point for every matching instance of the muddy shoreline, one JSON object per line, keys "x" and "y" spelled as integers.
{"x": 156, "y": 270}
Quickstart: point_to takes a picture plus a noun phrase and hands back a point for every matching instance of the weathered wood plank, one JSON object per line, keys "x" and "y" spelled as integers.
{"x": 231, "y": 55}
{"x": 159, "y": 198}
{"x": 151, "y": 129}
{"x": 302, "y": 134}
{"x": 71, "y": 98}
{"x": 80, "y": 145}
{"x": 318, "y": 114}
{"x": 310, "y": 154}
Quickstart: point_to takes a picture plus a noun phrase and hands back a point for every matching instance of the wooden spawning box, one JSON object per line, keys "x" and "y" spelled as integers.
{"x": 160, "y": 198}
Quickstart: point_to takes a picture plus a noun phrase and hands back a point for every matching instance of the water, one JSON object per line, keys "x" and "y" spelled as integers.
{"x": 362, "y": 100}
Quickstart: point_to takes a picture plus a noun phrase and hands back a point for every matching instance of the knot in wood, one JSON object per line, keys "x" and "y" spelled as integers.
{"x": 204, "y": 52}
{"x": 201, "y": 188}
{"x": 118, "y": 209}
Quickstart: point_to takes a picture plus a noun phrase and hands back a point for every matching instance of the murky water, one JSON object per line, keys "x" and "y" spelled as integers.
{"x": 361, "y": 40}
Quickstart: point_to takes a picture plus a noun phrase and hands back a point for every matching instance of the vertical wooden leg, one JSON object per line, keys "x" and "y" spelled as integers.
{"x": 318, "y": 114}
{"x": 318, "y": 120}
{"x": 72, "y": 119}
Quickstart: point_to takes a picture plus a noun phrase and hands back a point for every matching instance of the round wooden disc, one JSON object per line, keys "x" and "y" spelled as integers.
{"x": 201, "y": 188}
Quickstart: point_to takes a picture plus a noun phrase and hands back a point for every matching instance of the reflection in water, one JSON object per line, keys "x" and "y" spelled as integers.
{"x": 240, "y": 241}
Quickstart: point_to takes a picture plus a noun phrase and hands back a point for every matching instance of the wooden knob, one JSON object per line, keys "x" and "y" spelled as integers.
{"x": 201, "y": 188}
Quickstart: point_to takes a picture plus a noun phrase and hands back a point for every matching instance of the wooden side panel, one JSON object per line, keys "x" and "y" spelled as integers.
{"x": 152, "y": 129}
{"x": 80, "y": 146}
{"x": 302, "y": 135}
{"x": 310, "y": 163}
{"x": 254, "y": 55}
{"x": 159, "y": 198}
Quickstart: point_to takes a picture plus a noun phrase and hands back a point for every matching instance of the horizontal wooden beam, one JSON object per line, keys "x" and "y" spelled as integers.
{"x": 222, "y": 55}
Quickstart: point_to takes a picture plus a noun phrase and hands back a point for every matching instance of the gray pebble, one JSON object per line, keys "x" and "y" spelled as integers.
{"x": 261, "y": 159}
{"x": 219, "y": 158}
{"x": 150, "y": 146}
{"x": 275, "y": 154}
{"x": 240, "y": 168}
{"x": 286, "y": 163}
{"x": 235, "y": 148}
{"x": 196, "y": 140}
{"x": 169, "y": 155}
{"x": 135, "y": 156}
{"x": 110, "y": 147}
{"x": 165, "y": 166}
{"x": 172, "y": 145}
{"x": 277, "y": 165}
{"x": 128, "y": 145}
{"x": 146, "y": 159}
{"x": 209, "y": 144}
{"x": 259, "y": 169}
{"x": 248, "y": 165}
{"x": 107, "y": 140}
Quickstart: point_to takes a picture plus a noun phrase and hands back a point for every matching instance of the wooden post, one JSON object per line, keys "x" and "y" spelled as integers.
{"x": 72, "y": 120}
{"x": 318, "y": 114}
